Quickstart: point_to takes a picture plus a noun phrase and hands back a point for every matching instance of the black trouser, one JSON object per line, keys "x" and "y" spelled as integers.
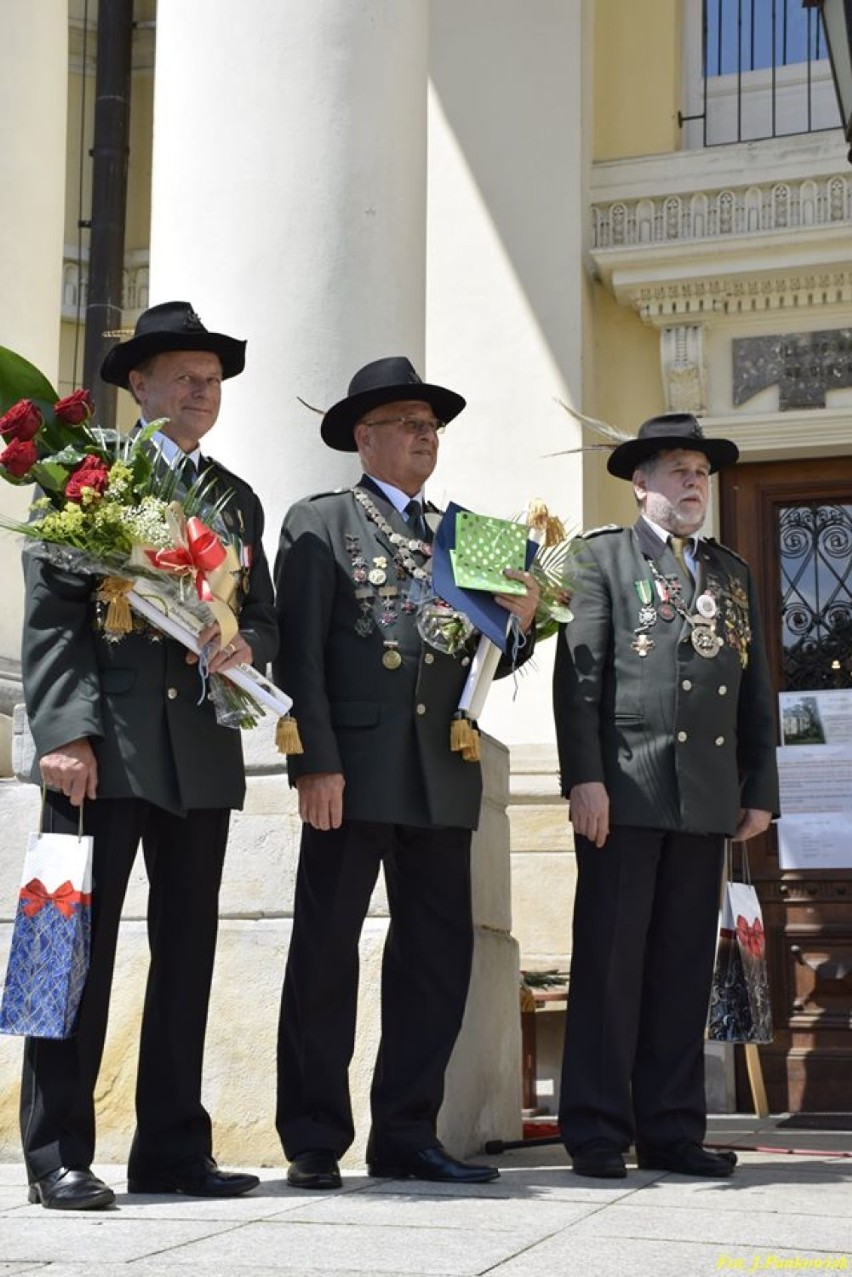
{"x": 645, "y": 921}
{"x": 425, "y": 976}
{"x": 184, "y": 858}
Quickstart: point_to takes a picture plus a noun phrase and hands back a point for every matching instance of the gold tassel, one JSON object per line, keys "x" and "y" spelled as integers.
{"x": 113, "y": 591}
{"x": 472, "y": 753}
{"x": 460, "y": 733}
{"x": 287, "y": 736}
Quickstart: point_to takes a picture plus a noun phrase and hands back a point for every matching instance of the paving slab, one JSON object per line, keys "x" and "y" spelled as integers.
{"x": 305, "y": 1248}
{"x": 760, "y": 1229}
{"x": 504, "y": 1214}
{"x": 537, "y": 1220}
{"x": 94, "y": 1237}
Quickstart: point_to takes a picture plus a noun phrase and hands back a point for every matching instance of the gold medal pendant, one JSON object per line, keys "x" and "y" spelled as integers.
{"x": 391, "y": 658}
{"x": 705, "y": 640}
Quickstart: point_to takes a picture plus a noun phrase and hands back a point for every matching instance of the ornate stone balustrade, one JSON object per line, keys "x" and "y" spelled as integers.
{"x": 75, "y": 284}
{"x": 752, "y": 209}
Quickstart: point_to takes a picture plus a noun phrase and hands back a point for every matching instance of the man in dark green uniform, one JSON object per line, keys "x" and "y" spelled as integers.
{"x": 119, "y": 727}
{"x": 666, "y": 732}
{"x": 378, "y": 785}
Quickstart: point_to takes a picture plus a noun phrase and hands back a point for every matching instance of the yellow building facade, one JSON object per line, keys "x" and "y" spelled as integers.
{"x": 567, "y": 200}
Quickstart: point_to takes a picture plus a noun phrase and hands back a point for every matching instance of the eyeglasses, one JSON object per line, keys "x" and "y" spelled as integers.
{"x": 411, "y": 424}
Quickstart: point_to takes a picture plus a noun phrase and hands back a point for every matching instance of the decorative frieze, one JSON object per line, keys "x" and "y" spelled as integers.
{"x": 735, "y": 294}
{"x": 721, "y": 214}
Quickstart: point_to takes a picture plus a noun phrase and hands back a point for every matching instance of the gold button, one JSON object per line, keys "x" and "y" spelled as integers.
{"x": 723, "y": 689}
{"x": 421, "y": 708}
{"x": 687, "y": 684}
{"x": 172, "y": 693}
{"x": 720, "y": 740}
{"x": 681, "y": 737}
{"x": 429, "y": 658}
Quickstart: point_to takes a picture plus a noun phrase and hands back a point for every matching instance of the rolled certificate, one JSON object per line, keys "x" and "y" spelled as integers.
{"x": 185, "y": 628}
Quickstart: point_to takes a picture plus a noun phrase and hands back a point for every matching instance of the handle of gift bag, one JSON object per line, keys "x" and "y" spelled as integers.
{"x": 729, "y": 862}
{"x": 41, "y": 815}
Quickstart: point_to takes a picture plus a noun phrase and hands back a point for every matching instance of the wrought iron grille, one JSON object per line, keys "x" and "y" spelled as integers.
{"x": 765, "y": 72}
{"x": 815, "y": 557}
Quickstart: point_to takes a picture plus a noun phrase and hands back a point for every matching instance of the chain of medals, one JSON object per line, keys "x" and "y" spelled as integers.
{"x": 371, "y": 581}
{"x": 702, "y": 621}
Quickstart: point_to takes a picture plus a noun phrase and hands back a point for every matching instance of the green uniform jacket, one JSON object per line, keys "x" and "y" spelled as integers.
{"x": 137, "y": 699}
{"x": 681, "y": 741}
{"x": 386, "y": 730}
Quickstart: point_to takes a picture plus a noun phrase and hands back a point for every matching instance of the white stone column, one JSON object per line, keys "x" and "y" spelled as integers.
{"x": 33, "y": 90}
{"x": 289, "y": 207}
{"x": 507, "y": 286}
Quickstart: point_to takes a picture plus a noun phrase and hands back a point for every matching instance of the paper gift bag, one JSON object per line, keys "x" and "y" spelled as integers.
{"x": 739, "y": 1001}
{"x": 484, "y": 547}
{"x": 49, "y": 954}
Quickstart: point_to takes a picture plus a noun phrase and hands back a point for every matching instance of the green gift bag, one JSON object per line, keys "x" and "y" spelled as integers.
{"x": 483, "y": 548}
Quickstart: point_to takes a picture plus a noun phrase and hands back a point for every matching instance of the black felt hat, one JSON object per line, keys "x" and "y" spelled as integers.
{"x": 660, "y": 434}
{"x": 383, "y": 381}
{"x": 170, "y": 326}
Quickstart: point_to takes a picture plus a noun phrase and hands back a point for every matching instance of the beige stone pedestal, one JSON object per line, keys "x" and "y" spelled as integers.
{"x": 483, "y": 1081}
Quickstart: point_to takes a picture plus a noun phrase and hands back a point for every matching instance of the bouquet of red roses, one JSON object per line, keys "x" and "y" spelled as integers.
{"x": 113, "y": 509}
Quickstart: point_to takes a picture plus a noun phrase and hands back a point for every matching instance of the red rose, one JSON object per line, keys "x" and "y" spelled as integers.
{"x": 19, "y": 457}
{"x": 22, "y": 421}
{"x": 75, "y": 408}
{"x": 91, "y": 473}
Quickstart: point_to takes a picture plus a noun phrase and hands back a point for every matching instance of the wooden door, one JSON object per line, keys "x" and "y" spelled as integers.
{"x": 792, "y": 521}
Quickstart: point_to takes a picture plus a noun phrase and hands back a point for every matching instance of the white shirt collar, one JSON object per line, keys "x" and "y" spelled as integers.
{"x": 169, "y": 450}
{"x": 398, "y": 499}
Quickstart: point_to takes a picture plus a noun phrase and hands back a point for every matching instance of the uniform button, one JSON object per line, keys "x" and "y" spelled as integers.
{"x": 465, "y": 660}
{"x": 681, "y": 737}
{"x": 429, "y": 658}
{"x": 421, "y": 708}
{"x": 687, "y": 684}
{"x": 720, "y": 740}
{"x": 172, "y": 693}
{"x": 723, "y": 691}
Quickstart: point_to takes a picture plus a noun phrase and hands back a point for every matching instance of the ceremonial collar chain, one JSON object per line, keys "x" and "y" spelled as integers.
{"x": 702, "y": 621}
{"x": 404, "y": 547}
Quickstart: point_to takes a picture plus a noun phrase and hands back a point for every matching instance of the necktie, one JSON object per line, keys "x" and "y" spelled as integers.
{"x": 416, "y": 521}
{"x": 678, "y": 544}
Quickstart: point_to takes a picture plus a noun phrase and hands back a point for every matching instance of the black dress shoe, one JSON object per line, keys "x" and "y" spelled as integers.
{"x": 317, "y": 1168}
{"x": 686, "y": 1157}
{"x": 199, "y": 1178}
{"x": 600, "y": 1159}
{"x": 433, "y": 1164}
{"x": 71, "y": 1188}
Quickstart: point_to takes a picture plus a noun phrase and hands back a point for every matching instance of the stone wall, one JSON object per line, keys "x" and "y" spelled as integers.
{"x": 483, "y": 1081}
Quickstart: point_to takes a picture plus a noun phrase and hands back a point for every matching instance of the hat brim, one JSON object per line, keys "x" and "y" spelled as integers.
{"x": 339, "y": 422}
{"x": 127, "y": 355}
{"x": 624, "y": 459}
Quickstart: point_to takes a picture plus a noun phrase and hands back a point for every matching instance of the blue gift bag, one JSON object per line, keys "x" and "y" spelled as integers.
{"x": 49, "y": 954}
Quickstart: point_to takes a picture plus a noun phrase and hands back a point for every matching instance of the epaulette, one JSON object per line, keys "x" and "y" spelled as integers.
{"x": 229, "y": 473}
{"x": 606, "y": 527}
{"x": 726, "y": 549}
{"x": 332, "y": 492}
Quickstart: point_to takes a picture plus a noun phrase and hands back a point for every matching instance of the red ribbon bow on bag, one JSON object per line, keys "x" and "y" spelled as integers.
{"x": 35, "y": 896}
{"x": 202, "y": 554}
{"x": 751, "y": 936}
